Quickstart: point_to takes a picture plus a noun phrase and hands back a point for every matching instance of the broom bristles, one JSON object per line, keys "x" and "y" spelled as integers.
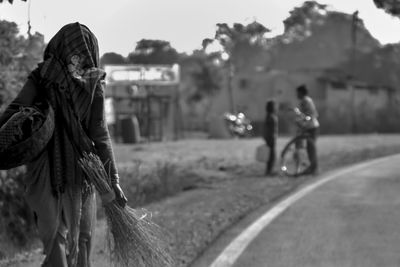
{"x": 134, "y": 240}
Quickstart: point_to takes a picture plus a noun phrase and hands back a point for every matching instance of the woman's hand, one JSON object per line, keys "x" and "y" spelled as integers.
{"x": 119, "y": 195}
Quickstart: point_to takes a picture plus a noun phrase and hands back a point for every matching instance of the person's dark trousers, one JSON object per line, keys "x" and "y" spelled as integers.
{"x": 271, "y": 157}
{"x": 312, "y": 150}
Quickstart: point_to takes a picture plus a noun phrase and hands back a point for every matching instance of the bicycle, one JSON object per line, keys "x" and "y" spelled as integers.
{"x": 294, "y": 158}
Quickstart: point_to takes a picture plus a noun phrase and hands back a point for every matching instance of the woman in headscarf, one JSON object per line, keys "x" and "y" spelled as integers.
{"x": 59, "y": 194}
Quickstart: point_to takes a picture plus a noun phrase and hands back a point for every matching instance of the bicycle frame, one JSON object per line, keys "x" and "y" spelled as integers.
{"x": 291, "y": 155}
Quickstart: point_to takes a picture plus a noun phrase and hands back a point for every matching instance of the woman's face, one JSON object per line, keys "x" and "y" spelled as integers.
{"x": 71, "y": 41}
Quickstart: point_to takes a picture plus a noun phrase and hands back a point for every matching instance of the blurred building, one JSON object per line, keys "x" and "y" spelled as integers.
{"x": 142, "y": 102}
{"x": 358, "y": 107}
{"x": 341, "y": 73}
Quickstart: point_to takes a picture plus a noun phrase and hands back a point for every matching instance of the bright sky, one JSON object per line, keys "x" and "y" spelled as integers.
{"x": 119, "y": 24}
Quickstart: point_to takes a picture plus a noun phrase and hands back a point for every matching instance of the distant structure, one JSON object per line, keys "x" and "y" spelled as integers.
{"x": 142, "y": 102}
{"x": 347, "y": 100}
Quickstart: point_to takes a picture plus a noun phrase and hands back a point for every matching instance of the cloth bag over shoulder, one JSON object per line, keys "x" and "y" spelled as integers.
{"x": 262, "y": 153}
{"x": 25, "y": 134}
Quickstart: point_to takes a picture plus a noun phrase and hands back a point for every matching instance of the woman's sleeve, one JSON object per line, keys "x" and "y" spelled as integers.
{"x": 26, "y": 96}
{"x": 99, "y": 134}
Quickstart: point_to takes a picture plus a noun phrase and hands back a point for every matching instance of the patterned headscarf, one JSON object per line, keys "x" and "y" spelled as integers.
{"x": 70, "y": 77}
{"x": 71, "y": 61}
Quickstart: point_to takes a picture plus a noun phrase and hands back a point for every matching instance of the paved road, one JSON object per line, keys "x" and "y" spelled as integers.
{"x": 352, "y": 220}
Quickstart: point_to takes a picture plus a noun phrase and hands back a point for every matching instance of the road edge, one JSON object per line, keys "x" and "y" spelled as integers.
{"x": 235, "y": 248}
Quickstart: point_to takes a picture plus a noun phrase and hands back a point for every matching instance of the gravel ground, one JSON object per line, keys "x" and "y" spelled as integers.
{"x": 227, "y": 186}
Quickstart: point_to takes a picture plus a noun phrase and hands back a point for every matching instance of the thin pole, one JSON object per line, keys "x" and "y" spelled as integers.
{"x": 353, "y": 69}
{"x": 29, "y": 19}
{"x": 230, "y": 89}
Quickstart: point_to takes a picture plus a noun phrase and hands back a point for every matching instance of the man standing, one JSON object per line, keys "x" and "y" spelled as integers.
{"x": 307, "y": 108}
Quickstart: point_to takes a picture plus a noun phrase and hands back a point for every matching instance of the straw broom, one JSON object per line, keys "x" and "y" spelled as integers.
{"x": 135, "y": 239}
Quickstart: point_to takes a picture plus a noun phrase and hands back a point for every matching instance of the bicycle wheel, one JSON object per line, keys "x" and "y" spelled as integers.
{"x": 294, "y": 159}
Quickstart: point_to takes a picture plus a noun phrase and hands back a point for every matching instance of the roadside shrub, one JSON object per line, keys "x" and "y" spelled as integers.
{"x": 16, "y": 219}
{"x": 144, "y": 183}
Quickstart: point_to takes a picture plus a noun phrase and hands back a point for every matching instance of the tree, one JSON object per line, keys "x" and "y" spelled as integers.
{"x": 239, "y": 44}
{"x": 11, "y": 47}
{"x": 153, "y": 52}
{"x": 10, "y": 1}
{"x": 18, "y": 56}
{"x": 299, "y": 24}
{"x": 33, "y": 49}
{"x": 112, "y": 58}
{"x": 390, "y": 6}
{"x": 201, "y": 79}
{"x": 238, "y": 36}
{"x": 205, "y": 74}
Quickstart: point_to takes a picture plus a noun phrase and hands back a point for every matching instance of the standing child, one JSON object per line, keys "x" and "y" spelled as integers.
{"x": 270, "y": 135}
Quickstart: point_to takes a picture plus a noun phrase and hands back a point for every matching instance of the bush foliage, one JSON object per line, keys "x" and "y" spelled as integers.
{"x": 16, "y": 219}
{"x": 18, "y": 56}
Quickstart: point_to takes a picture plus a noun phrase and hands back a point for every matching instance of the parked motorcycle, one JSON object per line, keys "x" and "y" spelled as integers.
{"x": 238, "y": 124}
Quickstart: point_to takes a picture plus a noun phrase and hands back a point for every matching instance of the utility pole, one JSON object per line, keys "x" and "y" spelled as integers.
{"x": 354, "y": 24}
{"x": 227, "y": 57}
{"x": 29, "y": 20}
{"x": 230, "y": 89}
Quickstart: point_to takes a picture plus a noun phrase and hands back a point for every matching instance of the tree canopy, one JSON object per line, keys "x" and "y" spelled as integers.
{"x": 10, "y": 1}
{"x": 149, "y": 51}
{"x": 299, "y": 23}
{"x": 232, "y": 37}
{"x": 237, "y": 42}
{"x": 18, "y": 56}
{"x": 205, "y": 75}
{"x": 390, "y": 6}
{"x": 112, "y": 58}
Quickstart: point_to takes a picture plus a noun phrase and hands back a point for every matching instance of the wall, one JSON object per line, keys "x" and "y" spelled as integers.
{"x": 251, "y": 91}
{"x": 372, "y": 108}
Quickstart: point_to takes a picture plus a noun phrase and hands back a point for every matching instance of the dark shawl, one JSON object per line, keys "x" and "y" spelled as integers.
{"x": 70, "y": 75}
{"x": 69, "y": 78}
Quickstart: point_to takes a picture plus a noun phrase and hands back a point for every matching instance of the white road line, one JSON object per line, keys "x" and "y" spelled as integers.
{"x": 232, "y": 252}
